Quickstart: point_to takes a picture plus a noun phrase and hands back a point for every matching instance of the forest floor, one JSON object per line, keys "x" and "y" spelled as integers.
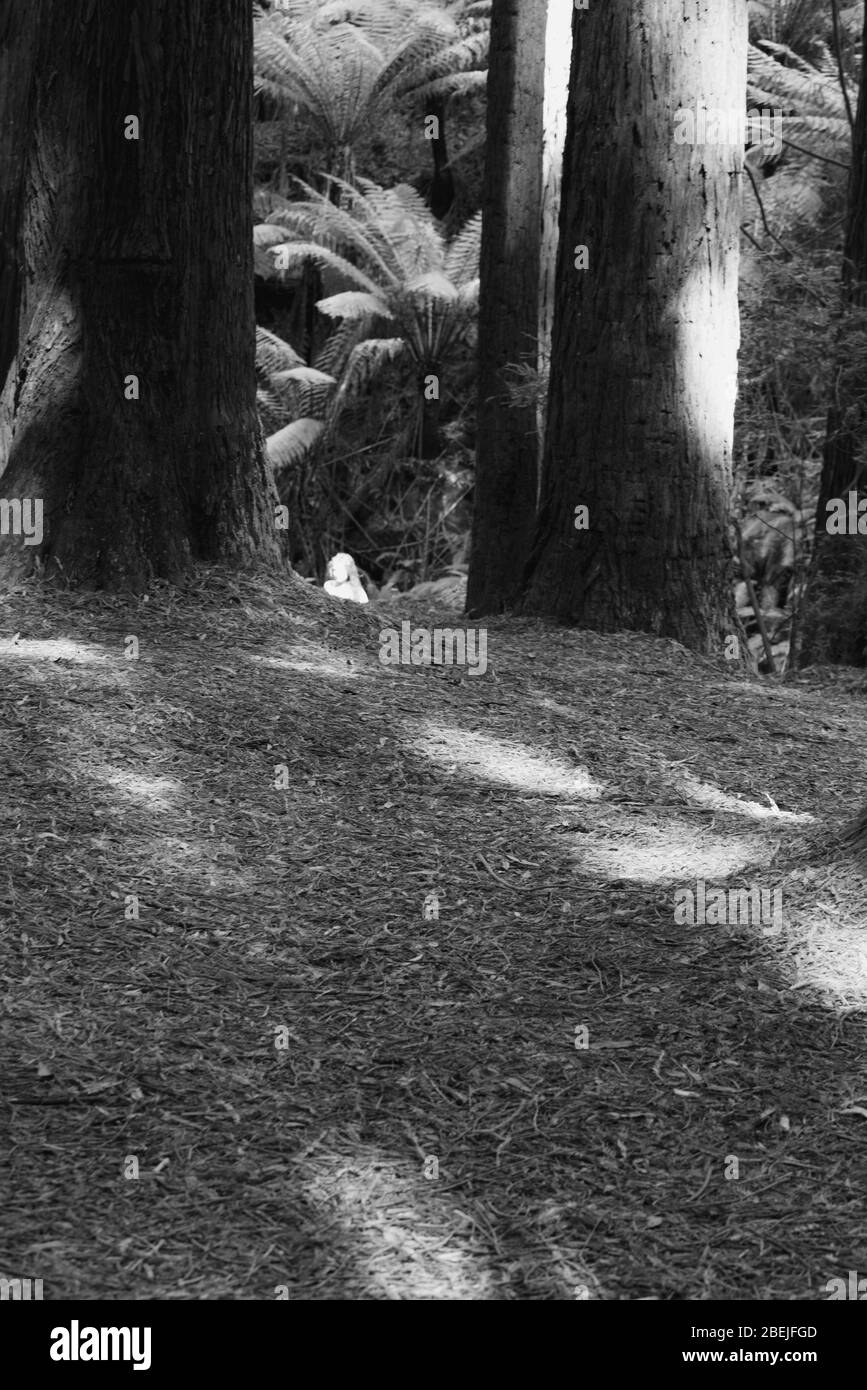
{"x": 282, "y": 1075}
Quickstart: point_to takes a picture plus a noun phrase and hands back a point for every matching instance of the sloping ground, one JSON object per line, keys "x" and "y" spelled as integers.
{"x": 284, "y": 1077}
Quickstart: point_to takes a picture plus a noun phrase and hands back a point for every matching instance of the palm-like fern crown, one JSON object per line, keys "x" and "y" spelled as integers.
{"x": 386, "y": 262}
{"x": 393, "y": 259}
{"x": 339, "y": 62}
{"x": 460, "y": 65}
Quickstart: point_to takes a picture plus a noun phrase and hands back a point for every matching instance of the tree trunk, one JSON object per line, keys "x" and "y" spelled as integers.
{"x": 506, "y": 457}
{"x": 128, "y": 401}
{"x": 558, "y": 51}
{"x": 833, "y": 619}
{"x": 442, "y": 188}
{"x": 644, "y": 361}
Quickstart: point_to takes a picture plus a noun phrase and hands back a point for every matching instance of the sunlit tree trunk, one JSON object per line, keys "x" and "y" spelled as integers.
{"x": 558, "y": 51}
{"x": 644, "y": 354}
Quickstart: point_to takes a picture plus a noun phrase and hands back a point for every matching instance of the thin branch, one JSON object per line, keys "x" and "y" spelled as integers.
{"x": 825, "y": 158}
{"x": 771, "y": 234}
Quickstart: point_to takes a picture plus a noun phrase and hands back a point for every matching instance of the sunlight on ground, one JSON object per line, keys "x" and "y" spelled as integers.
{"x": 399, "y": 1246}
{"x": 313, "y": 660}
{"x": 704, "y": 794}
{"x": 552, "y": 706}
{"x": 157, "y": 793}
{"x": 831, "y": 958}
{"x": 83, "y": 653}
{"x": 653, "y": 853}
{"x": 502, "y": 761}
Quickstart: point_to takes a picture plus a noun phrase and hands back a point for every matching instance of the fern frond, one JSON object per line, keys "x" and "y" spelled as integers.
{"x": 795, "y": 89}
{"x": 311, "y": 376}
{"x": 271, "y": 410}
{"x": 468, "y": 293}
{"x": 353, "y": 304}
{"x": 289, "y": 446}
{"x": 432, "y": 37}
{"x": 266, "y": 234}
{"x": 335, "y": 352}
{"x": 274, "y": 354}
{"x": 365, "y": 360}
{"x": 452, "y": 60}
{"x": 349, "y": 227}
{"x": 295, "y": 253}
{"x": 462, "y": 255}
{"x": 456, "y": 84}
{"x": 432, "y": 285}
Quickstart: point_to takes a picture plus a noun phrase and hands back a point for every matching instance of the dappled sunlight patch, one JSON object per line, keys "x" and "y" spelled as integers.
{"x": 56, "y": 649}
{"x": 404, "y": 1247}
{"x": 315, "y": 661}
{"x": 831, "y": 958}
{"x": 155, "y": 793}
{"x": 553, "y": 706}
{"x": 462, "y": 752}
{"x": 705, "y": 794}
{"x": 658, "y": 853}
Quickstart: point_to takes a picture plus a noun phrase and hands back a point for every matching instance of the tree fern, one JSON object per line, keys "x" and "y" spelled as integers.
{"x": 808, "y": 180}
{"x": 778, "y": 77}
{"x": 342, "y": 64}
{"x": 398, "y": 269}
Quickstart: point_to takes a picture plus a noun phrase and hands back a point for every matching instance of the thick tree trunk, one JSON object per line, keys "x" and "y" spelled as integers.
{"x": 128, "y": 402}
{"x": 833, "y": 620}
{"x": 558, "y": 52}
{"x": 644, "y": 360}
{"x": 506, "y": 457}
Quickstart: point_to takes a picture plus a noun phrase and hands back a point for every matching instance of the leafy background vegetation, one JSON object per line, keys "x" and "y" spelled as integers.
{"x": 367, "y": 250}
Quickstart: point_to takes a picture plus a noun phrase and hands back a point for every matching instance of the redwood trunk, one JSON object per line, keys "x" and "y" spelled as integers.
{"x": 136, "y": 276}
{"x": 644, "y": 354}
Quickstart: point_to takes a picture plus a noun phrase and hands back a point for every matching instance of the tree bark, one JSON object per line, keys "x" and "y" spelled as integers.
{"x": 644, "y": 354}
{"x": 558, "y": 52}
{"x": 442, "y": 188}
{"x": 506, "y": 457}
{"x": 128, "y": 336}
{"x": 833, "y": 619}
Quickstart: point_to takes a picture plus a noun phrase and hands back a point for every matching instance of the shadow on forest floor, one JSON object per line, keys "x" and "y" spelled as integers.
{"x": 283, "y": 1077}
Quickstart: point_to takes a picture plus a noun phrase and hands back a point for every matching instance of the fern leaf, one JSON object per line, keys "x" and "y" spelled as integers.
{"x": 288, "y": 447}
{"x": 462, "y": 256}
{"x": 353, "y": 304}
{"x": 295, "y": 253}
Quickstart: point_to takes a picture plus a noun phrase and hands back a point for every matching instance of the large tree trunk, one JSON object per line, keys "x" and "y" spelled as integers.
{"x": 833, "y": 621}
{"x": 506, "y": 457}
{"x": 127, "y": 338}
{"x": 644, "y": 361}
{"x": 558, "y": 52}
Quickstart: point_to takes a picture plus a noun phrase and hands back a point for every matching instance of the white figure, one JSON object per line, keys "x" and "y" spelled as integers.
{"x": 341, "y": 579}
